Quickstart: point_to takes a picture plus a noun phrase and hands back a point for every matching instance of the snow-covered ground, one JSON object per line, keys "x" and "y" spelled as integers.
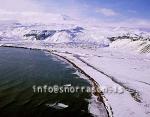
{"x": 116, "y": 69}
{"x": 123, "y": 63}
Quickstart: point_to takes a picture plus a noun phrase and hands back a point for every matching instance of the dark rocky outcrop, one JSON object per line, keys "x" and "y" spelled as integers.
{"x": 42, "y": 35}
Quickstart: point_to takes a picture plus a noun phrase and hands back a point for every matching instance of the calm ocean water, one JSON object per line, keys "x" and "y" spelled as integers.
{"x": 20, "y": 69}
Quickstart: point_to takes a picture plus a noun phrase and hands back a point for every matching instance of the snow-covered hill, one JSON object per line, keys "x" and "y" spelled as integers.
{"x": 73, "y": 32}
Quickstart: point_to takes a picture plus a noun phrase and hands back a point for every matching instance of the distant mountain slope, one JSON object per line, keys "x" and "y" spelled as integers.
{"x": 116, "y": 37}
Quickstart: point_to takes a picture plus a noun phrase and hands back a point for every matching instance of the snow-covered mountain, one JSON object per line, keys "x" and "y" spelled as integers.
{"x": 73, "y": 32}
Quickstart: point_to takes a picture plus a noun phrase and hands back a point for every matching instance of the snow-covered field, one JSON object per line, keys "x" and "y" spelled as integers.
{"x": 113, "y": 57}
{"x": 116, "y": 69}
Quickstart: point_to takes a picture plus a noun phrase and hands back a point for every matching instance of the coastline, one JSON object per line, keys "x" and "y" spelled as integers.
{"x": 126, "y": 69}
{"x": 97, "y": 93}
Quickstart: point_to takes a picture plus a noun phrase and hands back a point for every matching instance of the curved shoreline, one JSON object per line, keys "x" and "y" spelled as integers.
{"x": 97, "y": 92}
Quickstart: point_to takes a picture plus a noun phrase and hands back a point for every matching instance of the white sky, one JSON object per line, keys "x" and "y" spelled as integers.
{"x": 19, "y": 5}
{"x": 8, "y": 9}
